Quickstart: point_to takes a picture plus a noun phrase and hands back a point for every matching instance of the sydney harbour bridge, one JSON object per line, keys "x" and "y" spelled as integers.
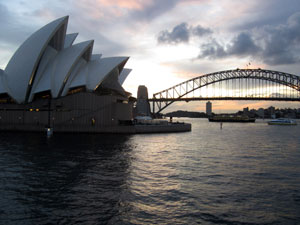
{"x": 239, "y": 84}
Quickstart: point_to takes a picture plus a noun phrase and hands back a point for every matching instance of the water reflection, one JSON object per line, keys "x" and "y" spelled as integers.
{"x": 83, "y": 174}
{"x": 242, "y": 174}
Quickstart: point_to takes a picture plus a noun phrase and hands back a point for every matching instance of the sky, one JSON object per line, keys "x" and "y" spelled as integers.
{"x": 170, "y": 41}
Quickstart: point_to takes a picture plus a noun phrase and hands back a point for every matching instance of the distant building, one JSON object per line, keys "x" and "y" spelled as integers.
{"x": 208, "y": 108}
{"x": 271, "y": 111}
{"x": 246, "y": 110}
{"x": 260, "y": 112}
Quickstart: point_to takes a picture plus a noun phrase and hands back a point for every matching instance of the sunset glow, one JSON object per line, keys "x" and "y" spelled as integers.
{"x": 172, "y": 41}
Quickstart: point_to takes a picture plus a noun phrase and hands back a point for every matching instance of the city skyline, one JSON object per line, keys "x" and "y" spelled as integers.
{"x": 171, "y": 41}
{"x": 247, "y": 108}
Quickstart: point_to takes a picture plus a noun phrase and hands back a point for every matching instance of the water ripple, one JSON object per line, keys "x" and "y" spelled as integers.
{"x": 242, "y": 174}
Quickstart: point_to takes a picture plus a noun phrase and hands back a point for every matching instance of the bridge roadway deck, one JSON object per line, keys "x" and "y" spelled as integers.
{"x": 221, "y": 98}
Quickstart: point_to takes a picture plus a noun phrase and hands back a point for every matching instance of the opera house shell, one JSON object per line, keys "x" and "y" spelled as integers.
{"x": 50, "y": 81}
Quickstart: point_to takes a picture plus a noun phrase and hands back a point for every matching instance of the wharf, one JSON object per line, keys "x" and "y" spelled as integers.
{"x": 121, "y": 129}
{"x": 163, "y": 128}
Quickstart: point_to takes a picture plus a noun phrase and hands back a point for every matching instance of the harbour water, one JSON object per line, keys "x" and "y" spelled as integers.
{"x": 240, "y": 174}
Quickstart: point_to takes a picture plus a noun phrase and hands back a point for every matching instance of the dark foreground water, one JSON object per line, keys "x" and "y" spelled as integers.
{"x": 242, "y": 174}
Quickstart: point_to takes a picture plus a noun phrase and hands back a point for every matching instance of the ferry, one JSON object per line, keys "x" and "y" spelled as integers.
{"x": 282, "y": 121}
{"x": 231, "y": 118}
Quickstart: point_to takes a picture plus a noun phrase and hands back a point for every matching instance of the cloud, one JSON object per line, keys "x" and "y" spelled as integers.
{"x": 11, "y": 31}
{"x": 128, "y": 4}
{"x": 181, "y": 34}
{"x": 273, "y": 44}
{"x": 263, "y": 13}
{"x": 241, "y": 45}
{"x": 151, "y": 9}
{"x": 154, "y": 8}
{"x": 200, "y": 31}
{"x": 283, "y": 43}
{"x": 4, "y": 13}
{"x": 213, "y": 50}
{"x": 15, "y": 27}
{"x": 134, "y": 10}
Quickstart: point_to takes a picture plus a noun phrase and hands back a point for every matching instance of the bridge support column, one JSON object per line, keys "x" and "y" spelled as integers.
{"x": 153, "y": 108}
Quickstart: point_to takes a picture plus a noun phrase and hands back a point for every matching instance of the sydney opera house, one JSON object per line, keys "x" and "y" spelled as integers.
{"x": 52, "y": 82}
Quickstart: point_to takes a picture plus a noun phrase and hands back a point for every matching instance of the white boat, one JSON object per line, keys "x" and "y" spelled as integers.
{"x": 282, "y": 121}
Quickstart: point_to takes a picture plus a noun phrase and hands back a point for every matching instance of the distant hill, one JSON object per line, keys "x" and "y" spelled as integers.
{"x": 181, "y": 113}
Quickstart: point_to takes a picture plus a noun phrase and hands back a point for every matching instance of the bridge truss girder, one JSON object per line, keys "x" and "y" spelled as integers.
{"x": 180, "y": 91}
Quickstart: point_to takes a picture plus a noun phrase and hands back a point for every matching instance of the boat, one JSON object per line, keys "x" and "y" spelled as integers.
{"x": 231, "y": 118}
{"x": 282, "y": 121}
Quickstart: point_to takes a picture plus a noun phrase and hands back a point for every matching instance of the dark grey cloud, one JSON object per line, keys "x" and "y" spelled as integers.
{"x": 181, "y": 34}
{"x": 282, "y": 45}
{"x": 155, "y": 9}
{"x": 272, "y": 44}
{"x": 265, "y": 13}
{"x": 200, "y": 31}
{"x": 242, "y": 45}
{"x": 213, "y": 50}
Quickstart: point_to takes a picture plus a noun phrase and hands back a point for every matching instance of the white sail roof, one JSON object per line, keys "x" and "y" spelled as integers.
{"x": 70, "y": 38}
{"x": 96, "y": 56}
{"x": 21, "y": 68}
{"x": 64, "y": 63}
{"x": 124, "y": 74}
{"x": 80, "y": 78}
{"x": 98, "y": 70}
{"x": 48, "y": 56}
{"x": 49, "y": 61}
{"x": 78, "y": 68}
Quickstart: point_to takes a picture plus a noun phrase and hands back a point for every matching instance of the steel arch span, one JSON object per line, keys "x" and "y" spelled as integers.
{"x": 258, "y": 84}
